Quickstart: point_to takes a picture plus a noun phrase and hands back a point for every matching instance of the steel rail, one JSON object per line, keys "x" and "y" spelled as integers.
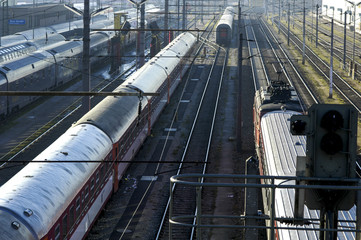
{"x": 324, "y": 74}
{"x": 290, "y": 62}
{"x": 161, "y": 155}
{"x": 255, "y": 83}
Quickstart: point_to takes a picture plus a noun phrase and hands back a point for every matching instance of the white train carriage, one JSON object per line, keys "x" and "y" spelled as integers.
{"x": 278, "y": 154}
{"x": 225, "y": 27}
{"x": 61, "y": 200}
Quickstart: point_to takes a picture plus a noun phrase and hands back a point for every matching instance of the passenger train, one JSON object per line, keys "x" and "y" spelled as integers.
{"x": 60, "y": 195}
{"x": 277, "y": 151}
{"x": 224, "y": 27}
{"x": 46, "y": 58}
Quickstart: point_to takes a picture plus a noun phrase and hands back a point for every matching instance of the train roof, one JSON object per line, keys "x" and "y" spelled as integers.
{"x": 162, "y": 65}
{"x": 10, "y": 40}
{"x": 114, "y": 115}
{"x": 229, "y": 11}
{"x": 74, "y": 46}
{"x": 36, "y": 33}
{"x": 41, "y": 191}
{"x": 276, "y": 129}
{"x": 226, "y": 20}
{"x": 277, "y": 96}
{"x": 280, "y": 152}
{"x": 49, "y": 39}
{"x": 15, "y": 51}
{"x": 21, "y": 67}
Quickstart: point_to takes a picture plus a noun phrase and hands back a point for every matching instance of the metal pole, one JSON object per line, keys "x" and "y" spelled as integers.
{"x": 354, "y": 36}
{"x": 239, "y": 42}
{"x": 202, "y": 11}
{"x": 178, "y": 14}
{"x": 279, "y": 16}
{"x": 293, "y": 26}
{"x": 304, "y": 32}
{"x": 184, "y": 15}
{"x": 344, "y": 42}
{"x": 32, "y": 19}
{"x": 273, "y": 11}
{"x": 358, "y": 211}
{"x": 137, "y": 42}
{"x": 166, "y": 33}
{"x": 171, "y": 209}
{"x": 331, "y": 61}
{"x": 273, "y": 210}
{"x": 267, "y": 9}
{"x": 317, "y": 6}
{"x": 86, "y": 54}
{"x": 199, "y": 211}
{"x": 288, "y": 28}
{"x": 312, "y": 21}
{"x": 141, "y": 36}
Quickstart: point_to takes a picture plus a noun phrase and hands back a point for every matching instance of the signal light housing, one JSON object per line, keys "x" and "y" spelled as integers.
{"x": 331, "y": 132}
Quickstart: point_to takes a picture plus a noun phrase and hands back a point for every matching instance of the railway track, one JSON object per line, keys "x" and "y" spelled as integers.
{"x": 202, "y": 128}
{"x": 276, "y": 63}
{"x": 346, "y": 91}
{"x": 339, "y": 41}
{"x": 148, "y": 198}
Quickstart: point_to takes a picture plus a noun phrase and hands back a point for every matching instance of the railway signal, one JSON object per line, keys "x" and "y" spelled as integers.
{"x": 331, "y": 132}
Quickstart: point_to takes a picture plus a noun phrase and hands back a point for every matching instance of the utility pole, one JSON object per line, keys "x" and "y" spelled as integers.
{"x": 344, "y": 42}
{"x": 184, "y": 15}
{"x": 311, "y": 21}
{"x": 86, "y": 55}
{"x": 141, "y": 39}
{"x": 331, "y": 61}
{"x": 317, "y": 6}
{"x": 304, "y": 32}
{"x": 279, "y": 16}
{"x": 288, "y": 28}
{"x": 178, "y": 14}
{"x": 353, "y": 64}
{"x": 239, "y": 42}
{"x": 166, "y": 33}
{"x": 294, "y": 3}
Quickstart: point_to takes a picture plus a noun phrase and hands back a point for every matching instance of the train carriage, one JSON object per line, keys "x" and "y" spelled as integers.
{"x": 28, "y": 74}
{"x": 56, "y": 62}
{"x": 3, "y": 99}
{"x": 68, "y": 57}
{"x": 277, "y": 150}
{"x": 61, "y": 200}
{"x": 224, "y": 27}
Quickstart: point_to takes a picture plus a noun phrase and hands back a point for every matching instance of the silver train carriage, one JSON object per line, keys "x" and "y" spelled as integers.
{"x": 277, "y": 152}
{"x": 25, "y": 42}
{"x": 55, "y": 44}
{"x": 61, "y": 193}
{"x": 224, "y": 27}
{"x": 46, "y": 69}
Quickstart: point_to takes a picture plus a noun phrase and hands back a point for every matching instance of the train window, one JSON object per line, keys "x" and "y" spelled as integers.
{"x": 92, "y": 187}
{"x": 77, "y": 210}
{"x": 64, "y": 226}
{"x": 71, "y": 216}
{"x": 57, "y": 232}
{"x": 82, "y": 199}
{"x": 102, "y": 173}
{"x": 33, "y": 65}
{"x": 86, "y": 194}
{"x": 97, "y": 178}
